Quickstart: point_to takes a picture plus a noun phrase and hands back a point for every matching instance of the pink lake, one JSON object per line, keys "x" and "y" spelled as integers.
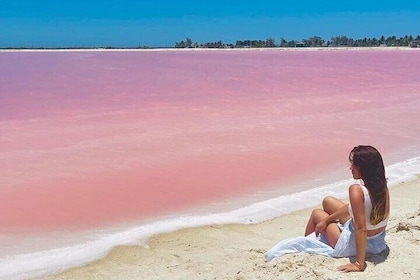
{"x": 95, "y": 138}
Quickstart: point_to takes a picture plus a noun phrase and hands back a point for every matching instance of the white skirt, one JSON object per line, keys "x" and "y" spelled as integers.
{"x": 345, "y": 247}
{"x": 346, "y": 243}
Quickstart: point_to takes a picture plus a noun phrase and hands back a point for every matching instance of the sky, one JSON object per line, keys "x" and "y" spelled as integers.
{"x": 161, "y": 23}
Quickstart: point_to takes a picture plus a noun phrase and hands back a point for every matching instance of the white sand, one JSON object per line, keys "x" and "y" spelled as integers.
{"x": 237, "y": 251}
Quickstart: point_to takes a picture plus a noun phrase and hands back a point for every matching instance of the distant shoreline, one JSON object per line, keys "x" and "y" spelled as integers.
{"x": 201, "y": 49}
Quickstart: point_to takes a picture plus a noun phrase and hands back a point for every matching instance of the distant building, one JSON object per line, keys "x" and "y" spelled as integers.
{"x": 300, "y": 45}
{"x": 414, "y": 44}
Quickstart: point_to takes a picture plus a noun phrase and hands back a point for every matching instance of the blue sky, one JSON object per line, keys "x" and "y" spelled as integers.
{"x": 124, "y": 23}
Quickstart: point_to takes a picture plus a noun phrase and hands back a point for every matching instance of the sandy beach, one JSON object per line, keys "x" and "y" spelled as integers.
{"x": 236, "y": 251}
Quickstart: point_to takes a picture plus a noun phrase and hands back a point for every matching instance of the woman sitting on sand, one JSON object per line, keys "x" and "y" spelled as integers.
{"x": 348, "y": 230}
{"x": 359, "y": 227}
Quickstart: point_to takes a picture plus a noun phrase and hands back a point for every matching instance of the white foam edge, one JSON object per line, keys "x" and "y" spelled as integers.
{"x": 42, "y": 263}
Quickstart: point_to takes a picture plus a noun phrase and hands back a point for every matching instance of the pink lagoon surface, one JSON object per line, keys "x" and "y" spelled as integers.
{"x": 93, "y": 139}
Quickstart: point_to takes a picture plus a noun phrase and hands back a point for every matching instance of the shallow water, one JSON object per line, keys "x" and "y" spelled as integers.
{"x": 91, "y": 141}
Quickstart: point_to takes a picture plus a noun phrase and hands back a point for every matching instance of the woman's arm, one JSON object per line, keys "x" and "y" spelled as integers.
{"x": 359, "y": 223}
{"x": 341, "y": 212}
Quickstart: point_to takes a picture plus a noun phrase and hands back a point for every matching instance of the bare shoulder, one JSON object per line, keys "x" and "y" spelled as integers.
{"x": 356, "y": 192}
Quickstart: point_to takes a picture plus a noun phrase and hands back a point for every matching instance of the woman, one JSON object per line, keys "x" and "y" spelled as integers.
{"x": 364, "y": 220}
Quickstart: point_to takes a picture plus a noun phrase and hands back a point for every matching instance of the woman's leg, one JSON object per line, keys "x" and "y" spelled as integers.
{"x": 331, "y": 233}
{"x": 317, "y": 215}
{"x": 331, "y": 204}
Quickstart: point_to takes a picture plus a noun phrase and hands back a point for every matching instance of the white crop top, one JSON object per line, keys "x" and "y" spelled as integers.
{"x": 368, "y": 210}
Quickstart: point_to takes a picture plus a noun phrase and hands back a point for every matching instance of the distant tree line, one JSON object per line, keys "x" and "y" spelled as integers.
{"x": 314, "y": 41}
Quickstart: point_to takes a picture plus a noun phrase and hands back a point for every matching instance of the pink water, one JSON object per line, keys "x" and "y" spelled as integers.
{"x": 90, "y": 139}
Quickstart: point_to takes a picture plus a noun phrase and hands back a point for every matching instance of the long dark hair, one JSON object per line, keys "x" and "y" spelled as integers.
{"x": 372, "y": 171}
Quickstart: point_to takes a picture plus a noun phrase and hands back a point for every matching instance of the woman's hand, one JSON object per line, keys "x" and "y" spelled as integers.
{"x": 351, "y": 267}
{"x": 320, "y": 227}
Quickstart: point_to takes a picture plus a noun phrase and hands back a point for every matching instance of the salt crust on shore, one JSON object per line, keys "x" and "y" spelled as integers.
{"x": 237, "y": 251}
